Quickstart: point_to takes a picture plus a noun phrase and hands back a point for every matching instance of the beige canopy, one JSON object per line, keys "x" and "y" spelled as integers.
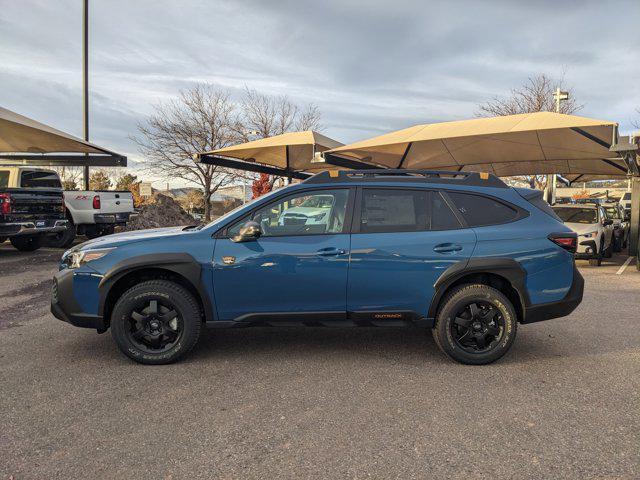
{"x": 542, "y": 142}
{"x": 292, "y": 151}
{"x": 22, "y": 138}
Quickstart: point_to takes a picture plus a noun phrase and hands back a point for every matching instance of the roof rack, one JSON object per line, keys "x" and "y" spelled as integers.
{"x": 402, "y": 175}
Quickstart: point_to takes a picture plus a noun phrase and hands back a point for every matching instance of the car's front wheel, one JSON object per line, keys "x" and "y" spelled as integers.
{"x": 476, "y": 324}
{"x": 156, "y": 322}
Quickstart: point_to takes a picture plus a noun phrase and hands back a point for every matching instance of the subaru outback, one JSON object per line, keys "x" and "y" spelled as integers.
{"x": 461, "y": 254}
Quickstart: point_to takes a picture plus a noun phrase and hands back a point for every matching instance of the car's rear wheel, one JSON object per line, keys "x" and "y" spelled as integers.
{"x": 26, "y": 243}
{"x": 476, "y": 324}
{"x": 156, "y": 322}
{"x": 3, "y": 239}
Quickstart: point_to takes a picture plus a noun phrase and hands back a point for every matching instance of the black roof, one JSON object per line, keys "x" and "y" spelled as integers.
{"x": 389, "y": 175}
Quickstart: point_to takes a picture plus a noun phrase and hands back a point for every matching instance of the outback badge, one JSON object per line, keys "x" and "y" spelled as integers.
{"x": 229, "y": 260}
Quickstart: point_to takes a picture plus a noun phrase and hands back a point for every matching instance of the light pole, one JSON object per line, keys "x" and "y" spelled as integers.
{"x": 85, "y": 82}
{"x": 559, "y": 96}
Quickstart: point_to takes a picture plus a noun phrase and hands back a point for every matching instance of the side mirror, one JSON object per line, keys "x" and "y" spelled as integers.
{"x": 249, "y": 231}
{"x": 606, "y": 222}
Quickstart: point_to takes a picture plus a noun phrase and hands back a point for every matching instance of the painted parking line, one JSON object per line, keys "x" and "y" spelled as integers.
{"x": 624, "y": 265}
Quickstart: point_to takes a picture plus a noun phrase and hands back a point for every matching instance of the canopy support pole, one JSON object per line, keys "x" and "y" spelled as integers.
{"x": 288, "y": 168}
{"x": 634, "y": 229}
{"x": 252, "y": 167}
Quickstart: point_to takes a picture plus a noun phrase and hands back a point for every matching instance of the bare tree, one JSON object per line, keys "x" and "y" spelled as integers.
{"x": 264, "y": 116}
{"x": 201, "y": 119}
{"x": 534, "y": 96}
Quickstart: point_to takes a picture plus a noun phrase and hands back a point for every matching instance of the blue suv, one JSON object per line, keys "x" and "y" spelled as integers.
{"x": 462, "y": 254}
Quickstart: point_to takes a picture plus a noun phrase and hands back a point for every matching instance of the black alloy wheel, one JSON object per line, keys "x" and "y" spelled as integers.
{"x": 155, "y": 327}
{"x": 478, "y": 327}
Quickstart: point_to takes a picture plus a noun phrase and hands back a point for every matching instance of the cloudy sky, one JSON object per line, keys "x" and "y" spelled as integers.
{"x": 370, "y": 66}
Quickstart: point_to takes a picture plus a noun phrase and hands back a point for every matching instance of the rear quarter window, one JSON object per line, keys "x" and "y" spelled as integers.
{"x": 479, "y": 210}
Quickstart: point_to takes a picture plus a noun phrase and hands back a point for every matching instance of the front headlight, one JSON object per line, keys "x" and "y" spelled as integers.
{"x": 80, "y": 257}
{"x": 589, "y": 234}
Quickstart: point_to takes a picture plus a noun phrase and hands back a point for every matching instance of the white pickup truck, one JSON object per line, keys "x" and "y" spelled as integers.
{"x": 90, "y": 213}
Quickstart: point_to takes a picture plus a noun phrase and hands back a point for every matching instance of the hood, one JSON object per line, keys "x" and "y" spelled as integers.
{"x": 582, "y": 228}
{"x": 131, "y": 237}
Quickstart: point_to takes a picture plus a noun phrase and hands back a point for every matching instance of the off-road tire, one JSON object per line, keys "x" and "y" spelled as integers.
{"x": 62, "y": 239}
{"x": 617, "y": 244}
{"x": 26, "y": 243}
{"x": 457, "y": 299}
{"x": 169, "y": 293}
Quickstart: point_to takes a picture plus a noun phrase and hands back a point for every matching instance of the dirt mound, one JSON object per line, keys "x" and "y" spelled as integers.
{"x": 160, "y": 211}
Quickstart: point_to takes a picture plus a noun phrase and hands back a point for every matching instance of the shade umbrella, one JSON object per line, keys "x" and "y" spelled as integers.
{"x": 24, "y": 138}
{"x": 540, "y": 142}
{"x": 293, "y": 151}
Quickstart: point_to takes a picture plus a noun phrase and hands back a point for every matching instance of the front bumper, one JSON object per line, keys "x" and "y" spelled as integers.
{"x": 64, "y": 306}
{"x": 587, "y": 249}
{"x": 31, "y": 228}
{"x": 547, "y": 311}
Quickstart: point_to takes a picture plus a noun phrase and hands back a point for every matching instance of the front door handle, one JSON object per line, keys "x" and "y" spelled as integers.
{"x": 331, "y": 252}
{"x": 447, "y": 248}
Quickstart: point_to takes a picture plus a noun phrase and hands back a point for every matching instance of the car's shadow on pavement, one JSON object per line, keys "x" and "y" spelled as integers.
{"x": 412, "y": 345}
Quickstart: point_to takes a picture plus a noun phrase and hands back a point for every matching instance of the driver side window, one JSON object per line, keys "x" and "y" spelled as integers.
{"x": 306, "y": 213}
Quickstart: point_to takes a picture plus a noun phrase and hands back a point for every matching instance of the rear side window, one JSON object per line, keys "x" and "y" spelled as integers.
{"x": 479, "y": 210}
{"x": 626, "y": 196}
{"x": 442, "y": 217}
{"x": 541, "y": 203}
{"x": 39, "y": 179}
{"x": 4, "y": 178}
{"x": 394, "y": 211}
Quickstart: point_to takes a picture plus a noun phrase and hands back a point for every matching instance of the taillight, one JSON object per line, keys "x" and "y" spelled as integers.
{"x": 96, "y": 202}
{"x": 5, "y": 203}
{"x": 568, "y": 241}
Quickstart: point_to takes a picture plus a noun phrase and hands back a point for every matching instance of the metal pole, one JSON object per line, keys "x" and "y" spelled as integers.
{"x": 635, "y": 216}
{"x": 85, "y": 81}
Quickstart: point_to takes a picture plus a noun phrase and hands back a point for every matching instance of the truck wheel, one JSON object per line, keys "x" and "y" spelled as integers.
{"x": 608, "y": 251}
{"x": 617, "y": 244}
{"x": 476, "y": 324}
{"x": 91, "y": 231}
{"x": 62, "y": 239}
{"x": 156, "y": 322}
{"x": 2, "y": 240}
{"x": 26, "y": 243}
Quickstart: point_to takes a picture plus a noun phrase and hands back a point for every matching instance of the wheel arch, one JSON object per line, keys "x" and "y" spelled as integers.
{"x": 503, "y": 274}
{"x": 180, "y": 268}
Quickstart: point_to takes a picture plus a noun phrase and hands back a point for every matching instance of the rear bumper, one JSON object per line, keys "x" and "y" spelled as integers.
{"x": 32, "y": 228}
{"x": 64, "y": 306}
{"x": 111, "y": 218}
{"x": 547, "y": 311}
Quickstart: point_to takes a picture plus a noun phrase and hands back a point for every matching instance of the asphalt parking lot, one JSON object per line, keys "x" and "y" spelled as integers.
{"x": 320, "y": 403}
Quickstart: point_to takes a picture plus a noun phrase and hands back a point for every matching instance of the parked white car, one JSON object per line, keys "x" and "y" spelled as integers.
{"x": 90, "y": 213}
{"x": 621, "y": 225}
{"x": 594, "y": 229}
{"x": 625, "y": 201}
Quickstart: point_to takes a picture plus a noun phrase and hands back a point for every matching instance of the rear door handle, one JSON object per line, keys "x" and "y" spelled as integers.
{"x": 447, "y": 248}
{"x": 331, "y": 252}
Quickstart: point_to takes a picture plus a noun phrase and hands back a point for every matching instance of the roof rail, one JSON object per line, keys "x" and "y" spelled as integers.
{"x": 402, "y": 175}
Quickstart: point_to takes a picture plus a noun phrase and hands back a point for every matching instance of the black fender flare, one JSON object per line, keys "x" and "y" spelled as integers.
{"x": 181, "y": 264}
{"x": 507, "y": 268}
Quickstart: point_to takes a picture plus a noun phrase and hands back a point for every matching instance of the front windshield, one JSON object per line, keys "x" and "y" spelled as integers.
{"x": 612, "y": 213}
{"x": 577, "y": 215}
